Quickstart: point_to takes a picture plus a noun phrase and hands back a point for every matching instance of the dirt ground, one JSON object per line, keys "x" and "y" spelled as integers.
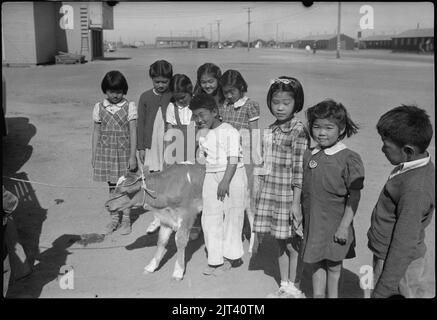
{"x": 50, "y": 125}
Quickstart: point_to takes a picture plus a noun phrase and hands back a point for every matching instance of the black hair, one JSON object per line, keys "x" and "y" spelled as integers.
{"x": 329, "y": 109}
{"x": 114, "y": 80}
{"x": 180, "y": 83}
{"x": 234, "y": 79}
{"x": 161, "y": 68}
{"x": 213, "y": 70}
{"x": 406, "y": 124}
{"x": 294, "y": 87}
{"x": 203, "y": 100}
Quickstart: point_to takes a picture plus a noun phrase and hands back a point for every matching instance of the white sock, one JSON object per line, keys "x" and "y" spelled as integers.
{"x": 284, "y": 283}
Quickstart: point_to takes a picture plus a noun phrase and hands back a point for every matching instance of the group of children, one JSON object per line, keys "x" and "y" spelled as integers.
{"x": 307, "y": 197}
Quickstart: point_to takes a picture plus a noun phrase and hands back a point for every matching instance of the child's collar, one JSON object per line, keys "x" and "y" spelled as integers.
{"x": 156, "y": 92}
{"x": 331, "y": 150}
{"x": 286, "y": 126}
{"x": 240, "y": 102}
{"x": 106, "y": 103}
{"x": 410, "y": 165}
{"x": 179, "y": 107}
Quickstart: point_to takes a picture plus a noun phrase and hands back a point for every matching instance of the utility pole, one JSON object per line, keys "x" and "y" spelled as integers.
{"x": 338, "y": 30}
{"x": 248, "y": 28}
{"x": 210, "y": 32}
{"x": 277, "y": 26}
{"x": 218, "y": 35}
{"x": 203, "y": 34}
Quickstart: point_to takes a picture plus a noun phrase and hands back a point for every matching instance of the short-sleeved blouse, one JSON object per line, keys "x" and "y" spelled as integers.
{"x": 240, "y": 113}
{"x": 113, "y": 108}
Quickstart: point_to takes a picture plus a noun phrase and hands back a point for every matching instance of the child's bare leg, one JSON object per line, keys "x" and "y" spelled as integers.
{"x": 319, "y": 279}
{"x": 334, "y": 271}
{"x": 293, "y": 275}
{"x": 283, "y": 260}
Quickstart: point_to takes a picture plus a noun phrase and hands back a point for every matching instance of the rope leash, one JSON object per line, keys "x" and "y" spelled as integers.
{"x": 53, "y": 185}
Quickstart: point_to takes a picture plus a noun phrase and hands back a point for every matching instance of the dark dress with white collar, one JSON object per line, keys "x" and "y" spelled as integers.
{"x": 327, "y": 178}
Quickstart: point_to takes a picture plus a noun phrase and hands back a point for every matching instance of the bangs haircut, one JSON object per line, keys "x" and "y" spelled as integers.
{"x": 114, "y": 81}
{"x": 406, "y": 124}
{"x": 180, "y": 83}
{"x": 329, "y": 109}
{"x": 209, "y": 68}
{"x": 234, "y": 79}
{"x": 214, "y": 71}
{"x": 161, "y": 68}
{"x": 203, "y": 100}
{"x": 294, "y": 87}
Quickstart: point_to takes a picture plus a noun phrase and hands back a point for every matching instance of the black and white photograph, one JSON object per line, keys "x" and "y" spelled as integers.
{"x": 218, "y": 150}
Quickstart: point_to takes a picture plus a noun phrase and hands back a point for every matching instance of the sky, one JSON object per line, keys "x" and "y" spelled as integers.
{"x": 143, "y": 21}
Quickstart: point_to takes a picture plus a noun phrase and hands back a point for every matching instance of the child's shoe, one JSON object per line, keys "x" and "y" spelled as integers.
{"x": 226, "y": 266}
{"x": 209, "y": 270}
{"x": 295, "y": 292}
{"x": 153, "y": 226}
{"x": 281, "y": 293}
{"x": 288, "y": 290}
{"x": 112, "y": 226}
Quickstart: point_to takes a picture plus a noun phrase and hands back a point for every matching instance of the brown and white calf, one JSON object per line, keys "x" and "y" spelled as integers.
{"x": 174, "y": 196}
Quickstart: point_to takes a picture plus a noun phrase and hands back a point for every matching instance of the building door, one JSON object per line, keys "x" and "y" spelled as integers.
{"x": 97, "y": 43}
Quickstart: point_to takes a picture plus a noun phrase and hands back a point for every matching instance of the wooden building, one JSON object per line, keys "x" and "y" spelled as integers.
{"x": 421, "y": 40}
{"x": 35, "y": 32}
{"x": 181, "y": 42}
{"x": 326, "y": 41}
{"x": 377, "y": 42}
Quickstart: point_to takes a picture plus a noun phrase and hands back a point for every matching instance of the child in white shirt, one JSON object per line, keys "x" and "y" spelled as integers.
{"x": 224, "y": 187}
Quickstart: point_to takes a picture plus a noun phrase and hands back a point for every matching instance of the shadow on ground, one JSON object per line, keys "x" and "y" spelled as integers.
{"x": 28, "y": 216}
{"x": 47, "y": 270}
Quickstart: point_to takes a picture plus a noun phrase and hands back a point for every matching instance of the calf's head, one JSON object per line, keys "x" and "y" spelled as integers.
{"x": 127, "y": 193}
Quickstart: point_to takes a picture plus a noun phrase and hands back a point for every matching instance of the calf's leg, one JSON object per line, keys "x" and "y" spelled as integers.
{"x": 164, "y": 235}
{"x": 182, "y": 238}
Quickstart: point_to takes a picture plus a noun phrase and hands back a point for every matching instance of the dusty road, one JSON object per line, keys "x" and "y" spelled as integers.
{"x": 50, "y": 125}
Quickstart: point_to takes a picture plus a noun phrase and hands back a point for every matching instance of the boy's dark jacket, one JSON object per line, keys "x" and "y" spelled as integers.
{"x": 396, "y": 235}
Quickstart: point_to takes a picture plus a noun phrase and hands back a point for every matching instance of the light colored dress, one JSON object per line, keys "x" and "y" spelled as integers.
{"x": 154, "y": 157}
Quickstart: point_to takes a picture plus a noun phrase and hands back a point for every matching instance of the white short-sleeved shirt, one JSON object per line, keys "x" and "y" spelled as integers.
{"x": 184, "y": 114}
{"x": 219, "y": 144}
{"x": 113, "y": 108}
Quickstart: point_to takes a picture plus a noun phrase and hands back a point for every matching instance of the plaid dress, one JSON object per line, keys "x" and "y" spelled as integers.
{"x": 113, "y": 146}
{"x": 239, "y": 117}
{"x": 283, "y": 150}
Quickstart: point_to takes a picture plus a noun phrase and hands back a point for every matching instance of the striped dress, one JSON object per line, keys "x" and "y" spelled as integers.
{"x": 283, "y": 149}
{"x": 113, "y": 146}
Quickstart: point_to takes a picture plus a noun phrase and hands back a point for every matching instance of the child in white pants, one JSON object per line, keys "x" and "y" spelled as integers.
{"x": 224, "y": 187}
{"x": 222, "y": 221}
